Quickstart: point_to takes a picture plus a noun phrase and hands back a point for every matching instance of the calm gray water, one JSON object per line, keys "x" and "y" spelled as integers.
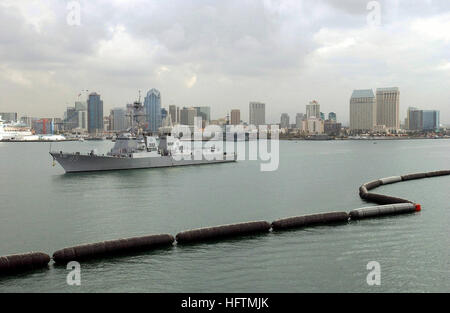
{"x": 43, "y": 209}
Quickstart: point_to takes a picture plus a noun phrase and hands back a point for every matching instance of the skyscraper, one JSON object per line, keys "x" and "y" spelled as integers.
{"x": 152, "y": 105}
{"x": 118, "y": 119}
{"x": 95, "y": 113}
{"x": 299, "y": 118}
{"x": 257, "y": 113}
{"x": 388, "y": 107}
{"x": 313, "y": 109}
{"x": 430, "y": 120}
{"x": 408, "y": 124}
{"x": 9, "y": 116}
{"x": 415, "y": 119}
{"x": 235, "y": 117}
{"x": 71, "y": 118}
{"x": 187, "y": 116}
{"x": 284, "y": 121}
{"x": 173, "y": 114}
{"x": 363, "y": 110}
{"x": 81, "y": 108}
{"x": 163, "y": 114}
{"x": 332, "y": 116}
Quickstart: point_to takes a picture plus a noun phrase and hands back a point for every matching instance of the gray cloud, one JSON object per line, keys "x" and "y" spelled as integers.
{"x": 222, "y": 53}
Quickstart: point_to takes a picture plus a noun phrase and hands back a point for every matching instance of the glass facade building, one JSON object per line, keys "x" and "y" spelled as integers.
{"x": 430, "y": 120}
{"x": 95, "y": 113}
{"x": 152, "y": 106}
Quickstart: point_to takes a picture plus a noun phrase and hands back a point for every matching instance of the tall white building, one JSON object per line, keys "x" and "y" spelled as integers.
{"x": 257, "y": 113}
{"x": 388, "y": 107}
{"x": 363, "y": 110}
{"x": 313, "y": 109}
{"x": 313, "y": 125}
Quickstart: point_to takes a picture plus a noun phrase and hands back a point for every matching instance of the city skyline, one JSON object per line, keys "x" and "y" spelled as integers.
{"x": 320, "y": 51}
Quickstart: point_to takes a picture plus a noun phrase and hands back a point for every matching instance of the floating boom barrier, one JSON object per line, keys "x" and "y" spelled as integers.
{"x": 382, "y": 210}
{"x": 389, "y": 206}
{"x": 310, "y": 220}
{"x": 112, "y": 247}
{"x": 224, "y": 231}
{"x": 18, "y": 263}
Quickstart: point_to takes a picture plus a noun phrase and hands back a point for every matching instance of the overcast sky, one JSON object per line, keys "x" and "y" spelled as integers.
{"x": 223, "y": 54}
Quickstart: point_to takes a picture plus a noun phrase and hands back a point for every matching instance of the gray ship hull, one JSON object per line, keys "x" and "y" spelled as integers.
{"x": 86, "y": 163}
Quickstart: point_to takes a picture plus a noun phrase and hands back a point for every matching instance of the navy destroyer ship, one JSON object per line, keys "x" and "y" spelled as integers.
{"x": 134, "y": 150}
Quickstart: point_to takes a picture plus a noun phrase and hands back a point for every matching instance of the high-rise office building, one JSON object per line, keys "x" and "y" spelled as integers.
{"x": 257, "y": 113}
{"x": 388, "y": 107}
{"x": 81, "y": 108}
{"x": 423, "y": 119}
{"x": 152, "y": 105}
{"x": 332, "y": 116}
{"x": 187, "y": 116}
{"x": 314, "y": 125}
{"x": 408, "y": 123}
{"x": 415, "y": 119}
{"x": 204, "y": 112}
{"x": 71, "y": 119}
{"x": 235, "y": 117}
{"x": 118, "y": 119}
{"x": 299, "y": 118}
{"x": 173, "y": 109}
{"x": 363, "y": 110}
{"x": 9, "y": 116}
{"x": 95, "y": 113}
{"x": 430, "y": 120}
{"x": 284, "y": 121}
{"x": 163, "y": 114}
{"x": 313, "y": 109}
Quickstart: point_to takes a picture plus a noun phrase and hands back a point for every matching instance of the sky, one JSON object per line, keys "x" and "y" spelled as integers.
{"x": 223, "y": 53}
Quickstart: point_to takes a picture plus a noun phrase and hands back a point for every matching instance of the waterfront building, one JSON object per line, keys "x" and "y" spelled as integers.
{"x": 362, "y": 110}
{"x": 8, "y": 116}
{"x": 187, "y": 116}
{"x": 204, "y": 112}
{"x": 71, "y": 119}
{"x": 284, "y": 121}
{"x": 152, "y": 106}
{"x": 95, "y": 113}
{"x": 332, "y": 116}
{"x": 27, "y": 120}
{"x": 299, "y": 120}
{"x": 257, "y": 113}
{"x": 314, "y": 125}
{"x": 313, "y": 109}
{"x": 415, "y": 119}
{"x": 330, "y": 127}
{"x": 163, "y": 114}
{"x": 81, "y": 109}
{"x": 235, "y": 117}
{"x": 118, "y": 119}
{"x": 419, "y": 120}
{"x": 42, "y": 126}
{"x": 388, "y": 108}
{"x": 430, "y": 119}
{"x": 173, "y": 111}
{"x": 408, "y": 117}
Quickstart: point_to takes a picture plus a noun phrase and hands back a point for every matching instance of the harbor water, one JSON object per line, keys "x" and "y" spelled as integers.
{"x": 43, "y": 209}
